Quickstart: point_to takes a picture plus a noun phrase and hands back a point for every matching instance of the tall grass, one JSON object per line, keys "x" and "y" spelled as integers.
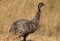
{"x": 11, "y": 10}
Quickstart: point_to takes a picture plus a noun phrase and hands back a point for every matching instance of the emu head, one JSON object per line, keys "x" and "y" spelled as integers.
{"x": 40, "y": 5}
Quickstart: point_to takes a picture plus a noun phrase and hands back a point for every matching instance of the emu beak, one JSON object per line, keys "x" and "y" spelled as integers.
{"x": 44, "y": 5}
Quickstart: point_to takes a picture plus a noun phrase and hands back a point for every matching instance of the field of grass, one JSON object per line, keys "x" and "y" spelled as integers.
{"x": 12, "y": 10}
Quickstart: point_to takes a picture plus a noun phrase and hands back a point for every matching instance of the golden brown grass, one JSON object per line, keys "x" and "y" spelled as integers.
{"x": 12, "y": 10}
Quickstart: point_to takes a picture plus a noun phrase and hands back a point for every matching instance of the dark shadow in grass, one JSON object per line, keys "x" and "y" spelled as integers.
{"x": 28, "y": 40}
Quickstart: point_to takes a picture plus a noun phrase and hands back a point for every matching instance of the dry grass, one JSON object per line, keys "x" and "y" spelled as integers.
{"x": 12, "y": 10}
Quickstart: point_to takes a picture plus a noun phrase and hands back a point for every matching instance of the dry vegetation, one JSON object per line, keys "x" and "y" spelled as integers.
{"x": 12, "y": 10}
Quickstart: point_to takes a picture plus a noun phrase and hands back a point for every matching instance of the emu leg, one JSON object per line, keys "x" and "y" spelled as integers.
{"x": 24, "y": 38}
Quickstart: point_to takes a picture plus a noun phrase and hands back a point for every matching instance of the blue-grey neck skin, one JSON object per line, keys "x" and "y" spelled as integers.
{"x": 39, "y": 8}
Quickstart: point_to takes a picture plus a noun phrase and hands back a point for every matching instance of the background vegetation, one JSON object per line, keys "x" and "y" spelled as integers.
{"x": 12, "y": 10}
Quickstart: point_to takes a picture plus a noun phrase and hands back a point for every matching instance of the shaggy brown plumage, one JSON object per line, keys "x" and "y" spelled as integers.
{"x": 24, "y": 27}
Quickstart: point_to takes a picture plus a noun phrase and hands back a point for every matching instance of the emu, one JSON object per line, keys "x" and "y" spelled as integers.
{"x": 24, "y": 27}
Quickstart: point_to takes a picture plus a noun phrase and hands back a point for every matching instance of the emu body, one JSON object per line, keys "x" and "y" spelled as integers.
{"x": 24, "y": 27}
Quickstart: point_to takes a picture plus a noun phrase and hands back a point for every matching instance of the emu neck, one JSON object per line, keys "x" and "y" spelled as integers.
{"x": 36, "y": 18}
